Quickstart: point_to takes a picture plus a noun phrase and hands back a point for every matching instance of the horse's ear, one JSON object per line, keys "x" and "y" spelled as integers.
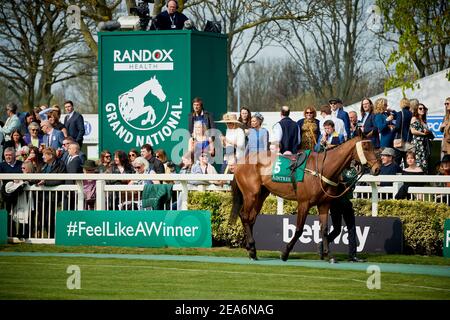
{"x": 361, "y": 133}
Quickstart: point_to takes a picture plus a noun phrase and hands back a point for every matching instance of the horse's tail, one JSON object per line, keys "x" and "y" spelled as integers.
{"x": 238, "y": 201}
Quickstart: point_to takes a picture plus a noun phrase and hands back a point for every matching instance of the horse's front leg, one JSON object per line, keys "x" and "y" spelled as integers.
{"x": 302, "y": 212}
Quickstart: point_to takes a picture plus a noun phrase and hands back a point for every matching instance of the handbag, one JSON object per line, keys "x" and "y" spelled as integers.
{"x": 399, "y": 143}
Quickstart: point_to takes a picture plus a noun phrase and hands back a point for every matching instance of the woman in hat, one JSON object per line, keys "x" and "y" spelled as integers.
{"x": 234, "y": 139}
{"x": 258, "y": 137}
{"x": 200, "y": 142}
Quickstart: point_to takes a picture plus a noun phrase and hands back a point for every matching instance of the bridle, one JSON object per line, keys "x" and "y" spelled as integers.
{"x": 363, "y": 161}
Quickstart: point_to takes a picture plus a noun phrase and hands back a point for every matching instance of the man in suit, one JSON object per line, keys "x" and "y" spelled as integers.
{"x": 47, "y": 201}
{"x": 53, "y": 138}
{"x": 338, "y": 111}
{"x": 65, "y": 152}
{"x": 73, "y": 165}
{"x": 74, "y": 123}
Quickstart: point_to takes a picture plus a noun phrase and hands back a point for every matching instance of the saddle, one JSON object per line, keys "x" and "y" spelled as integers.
{"x": 296, "y": 161}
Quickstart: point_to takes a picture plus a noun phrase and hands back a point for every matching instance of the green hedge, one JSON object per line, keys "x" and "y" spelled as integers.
{"x": 423, "y": 222}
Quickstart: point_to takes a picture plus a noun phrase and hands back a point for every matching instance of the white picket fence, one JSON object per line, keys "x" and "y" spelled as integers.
{"x": 37, "y": 223}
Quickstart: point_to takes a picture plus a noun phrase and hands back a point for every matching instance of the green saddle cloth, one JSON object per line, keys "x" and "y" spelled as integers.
{"x": 155, "y": 195}
{"x": 281, "y": 171}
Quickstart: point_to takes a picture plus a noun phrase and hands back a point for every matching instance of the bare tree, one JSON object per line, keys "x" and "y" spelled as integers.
{"x": 36, "y": 50}
{"x": 248, "y": 26}
{"x": 330, "y": 50}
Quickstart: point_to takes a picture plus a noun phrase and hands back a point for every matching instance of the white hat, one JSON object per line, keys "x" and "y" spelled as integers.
{"x": 12, "y": 186}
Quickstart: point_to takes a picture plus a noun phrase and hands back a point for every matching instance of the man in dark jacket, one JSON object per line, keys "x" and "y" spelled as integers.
{"x": 170, "y": 19}
{"x": 74, "y": 123}
{"x": 10, "y": 165}
{"x": 47, "y": 200}
{"x": 199, "y": 114}
{"x": 286, "y": 133}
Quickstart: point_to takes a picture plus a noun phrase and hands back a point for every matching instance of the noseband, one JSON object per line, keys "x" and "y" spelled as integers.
{"x": 360, "y": 152}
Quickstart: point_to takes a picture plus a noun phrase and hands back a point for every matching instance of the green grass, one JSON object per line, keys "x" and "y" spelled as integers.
{"x": 218, "y": 251}
{"x": 46, "y": 277}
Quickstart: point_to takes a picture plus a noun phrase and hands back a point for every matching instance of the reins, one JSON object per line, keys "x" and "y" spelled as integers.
{"x": 334, "y": 184}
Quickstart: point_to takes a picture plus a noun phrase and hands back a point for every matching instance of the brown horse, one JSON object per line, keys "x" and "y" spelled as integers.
{"x": 252, "y": 184}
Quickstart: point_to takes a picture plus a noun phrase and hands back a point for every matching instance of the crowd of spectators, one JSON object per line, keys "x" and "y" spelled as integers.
{"x": 46, "y": 145}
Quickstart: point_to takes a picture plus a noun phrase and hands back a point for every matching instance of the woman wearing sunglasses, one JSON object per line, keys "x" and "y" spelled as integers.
{"x": 421, "y": 136}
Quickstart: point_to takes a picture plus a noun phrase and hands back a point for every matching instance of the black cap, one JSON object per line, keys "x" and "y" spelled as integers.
{"x": 335, "y": 100}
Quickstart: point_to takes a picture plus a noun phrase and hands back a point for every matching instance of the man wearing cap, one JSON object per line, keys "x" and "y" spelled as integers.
{"x": 286, "y": 133}
{"x": 338, "y": 112}
{"x": 389, "y": 167}
{"x": 12, "y": 122}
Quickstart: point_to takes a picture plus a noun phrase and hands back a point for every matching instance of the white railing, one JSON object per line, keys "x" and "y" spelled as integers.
{"x": 45, "y": 201}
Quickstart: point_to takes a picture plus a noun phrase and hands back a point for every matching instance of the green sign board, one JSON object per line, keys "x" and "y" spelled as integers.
{"x": 3, "y": 227}
{"x": 446, "y": 249}
{"x": 134, "y": 228}
{"x": 147, "y": 81}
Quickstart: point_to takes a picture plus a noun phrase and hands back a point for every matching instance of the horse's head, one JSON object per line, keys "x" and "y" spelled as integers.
{"x": 365, "y": 154}
{"x": 156, "y": 89}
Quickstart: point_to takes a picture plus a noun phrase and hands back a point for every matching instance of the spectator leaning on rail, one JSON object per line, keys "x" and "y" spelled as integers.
{"x": 389, "y": 167}
{"x": 10, "y": 165}
{"x": 411, "y": 169}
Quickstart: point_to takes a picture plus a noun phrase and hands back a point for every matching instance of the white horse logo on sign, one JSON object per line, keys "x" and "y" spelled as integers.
{"x": 132, "y": 105}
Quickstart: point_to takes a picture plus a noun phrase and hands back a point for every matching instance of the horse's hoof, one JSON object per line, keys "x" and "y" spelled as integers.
{"x": 254, "y": 258}
{"x": 284, "y": 256}
{"x": 332, "y": 260}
